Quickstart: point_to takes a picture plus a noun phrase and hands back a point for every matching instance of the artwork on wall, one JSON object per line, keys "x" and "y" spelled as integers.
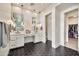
{"x": 18, "y": 21}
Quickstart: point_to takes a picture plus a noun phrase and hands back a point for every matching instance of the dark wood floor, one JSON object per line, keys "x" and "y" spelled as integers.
{"x": 41, "y": 49}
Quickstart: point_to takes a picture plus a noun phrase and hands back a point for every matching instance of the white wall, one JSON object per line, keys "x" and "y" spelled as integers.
{"x": 53, "y": 28}
{"x": 27, "y": 19}
{"x": 57, "y": 27}
{"x": 16, "y": 9}
{"x": 72, "y": 20}
{"x": 5, "y": 14}
{"x": 5, "y": 11}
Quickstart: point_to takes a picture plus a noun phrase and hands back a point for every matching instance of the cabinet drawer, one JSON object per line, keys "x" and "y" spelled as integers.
{"x": 16, "y": 41}
{"x": 20, "y": 42}
{"x": 12, "y": 46}
{"x": 12, "y": 38}
{"x": 12, "y": 42}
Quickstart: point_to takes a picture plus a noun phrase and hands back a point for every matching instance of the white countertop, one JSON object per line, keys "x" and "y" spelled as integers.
{"x": 15, "y": 33}
{"x": 21, "y": 33}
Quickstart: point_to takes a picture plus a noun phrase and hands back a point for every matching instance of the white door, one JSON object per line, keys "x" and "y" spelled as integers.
{"x": 49, "y": 27}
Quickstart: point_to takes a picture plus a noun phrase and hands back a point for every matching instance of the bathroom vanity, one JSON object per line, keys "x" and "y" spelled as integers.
{"x": 16, "y": 40}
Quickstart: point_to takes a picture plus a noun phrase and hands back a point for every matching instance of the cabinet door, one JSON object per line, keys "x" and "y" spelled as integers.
{"x": 19, "y": 41}
{"x": 12, "y": 44}
{"x": 16, "y": 41}
{"x": 12, "y": 38}
{"x": 38, "y": 37}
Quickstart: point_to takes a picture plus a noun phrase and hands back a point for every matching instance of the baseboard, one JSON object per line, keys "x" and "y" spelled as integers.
{"x": 38, "y": 42}
{"x": 44, "y": 41}
{"x": 55, "y": 46}
{"x": 17, "y": 48}
{"x": 71, "y": 48}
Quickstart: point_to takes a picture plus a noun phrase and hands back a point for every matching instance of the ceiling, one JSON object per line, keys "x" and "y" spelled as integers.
{"x": 35, "y": 7}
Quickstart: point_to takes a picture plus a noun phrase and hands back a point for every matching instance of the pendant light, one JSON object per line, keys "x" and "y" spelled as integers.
{"x": 22, "y": 14}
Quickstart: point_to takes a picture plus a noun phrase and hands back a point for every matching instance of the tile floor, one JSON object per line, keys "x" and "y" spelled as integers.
{"x": 72, "y": 43}
{"x": 41, "y": 49}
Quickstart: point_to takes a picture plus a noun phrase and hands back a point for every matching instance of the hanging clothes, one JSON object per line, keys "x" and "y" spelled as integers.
{"x": 73, "y": 31}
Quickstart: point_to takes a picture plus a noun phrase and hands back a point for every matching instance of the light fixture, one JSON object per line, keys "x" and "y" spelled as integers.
{"x": 35, "y": 14}
{"x": 11, "y": 22}
{"x": 22, "y": 11}
{"x": 17, "y": 3}
{"x": 70, "y": 17}
{"x": 32, "y": 4}
{"x": 27, "y": 11}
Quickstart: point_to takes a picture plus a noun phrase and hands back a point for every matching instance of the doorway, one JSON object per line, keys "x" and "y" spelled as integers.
{"x": 48, "y": 27}
{"x": 71, "y": 29}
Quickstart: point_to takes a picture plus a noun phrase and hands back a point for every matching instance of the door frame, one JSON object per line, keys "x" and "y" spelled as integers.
{"x": 62, "y": 24}
{"x": 45, "y": 14}
{"x": 46, "y": 23}
{"x": 67, "y": 27}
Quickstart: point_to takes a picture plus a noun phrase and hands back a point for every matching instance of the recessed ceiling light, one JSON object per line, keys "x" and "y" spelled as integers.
{"x": 17, "y": 3}
{"x": 35, "y": 14}
{"x": 27, "y": 11}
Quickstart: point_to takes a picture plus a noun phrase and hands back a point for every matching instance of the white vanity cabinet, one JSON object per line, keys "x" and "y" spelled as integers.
{"x": 16, "y": 41}
{"x": 38, "y": 37}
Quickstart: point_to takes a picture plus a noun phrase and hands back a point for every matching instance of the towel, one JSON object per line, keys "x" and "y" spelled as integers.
{"x": 0, "y": 34}
{"x": 4, "y": 35}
